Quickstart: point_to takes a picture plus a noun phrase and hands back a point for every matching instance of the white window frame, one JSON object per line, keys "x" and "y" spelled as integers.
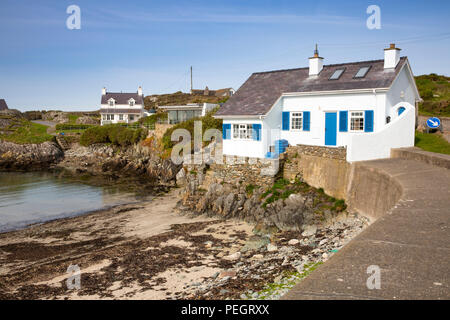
{"x": 296, "y": 115}
{"x": 242, "y": 131}
{"x": 111, "y": 102}
{"x": 131, "y": 102}
{"x": 353, "y": 115}
{"x": 120, "y": 117}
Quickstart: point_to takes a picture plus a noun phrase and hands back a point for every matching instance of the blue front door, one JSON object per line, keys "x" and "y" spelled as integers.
{"x": 330, "y": 128}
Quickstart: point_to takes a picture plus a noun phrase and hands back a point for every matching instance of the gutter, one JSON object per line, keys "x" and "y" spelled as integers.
{"x": 300, "y": 94}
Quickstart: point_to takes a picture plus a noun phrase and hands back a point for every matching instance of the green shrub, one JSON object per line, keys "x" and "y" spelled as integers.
{"x": 208, "y": 122}
{"x": 69, "y": 126}
{"x": 114, "y": 134}
{"x": 152, "y": 119}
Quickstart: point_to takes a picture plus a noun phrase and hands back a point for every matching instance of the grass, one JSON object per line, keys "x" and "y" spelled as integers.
{"x": 178, "y": 98}
{"x": 282, "y": 189}
{"x": 435, "y": 91}
{"x": 24, "y": 132}
{"x": 73, "y": 118}
{"x": 432, "y": 142}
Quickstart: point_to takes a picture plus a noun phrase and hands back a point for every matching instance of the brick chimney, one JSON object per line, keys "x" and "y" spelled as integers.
{"x": 391, "y": 56}
{"x": 315, "y": 63}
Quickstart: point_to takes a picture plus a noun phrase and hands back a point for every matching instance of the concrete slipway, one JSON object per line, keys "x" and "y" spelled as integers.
{"x": 410, "y": 243}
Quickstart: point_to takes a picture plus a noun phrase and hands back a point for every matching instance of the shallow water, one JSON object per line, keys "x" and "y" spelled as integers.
{"x": 27, "y": 198}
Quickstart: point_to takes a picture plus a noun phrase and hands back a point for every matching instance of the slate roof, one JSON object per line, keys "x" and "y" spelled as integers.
{"x": 122, "y": 98}
{"x": 3, "y": 105}
{"x": 257, "y": 95}
{"x": 133, "y": 111}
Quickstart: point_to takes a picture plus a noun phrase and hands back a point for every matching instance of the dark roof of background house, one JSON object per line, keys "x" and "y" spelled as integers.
{"x": 257, "y": 95}
{"x": 3, "y": 105}
{"x": 133, "y": 111}
{"x": 122, "y": 98}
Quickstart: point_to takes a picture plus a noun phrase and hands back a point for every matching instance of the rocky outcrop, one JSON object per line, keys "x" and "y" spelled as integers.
{"x": 56, "y": 116}
{"x": 293, "y": 212}
{"x": 136, "y": 161}
{"x": 28, "y": 156}
{"x": 87, "y": 120}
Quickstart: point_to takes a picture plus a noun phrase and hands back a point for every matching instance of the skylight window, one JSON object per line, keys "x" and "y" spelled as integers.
{"x": 337, "y": 74}
{"x": 362, "y": 72}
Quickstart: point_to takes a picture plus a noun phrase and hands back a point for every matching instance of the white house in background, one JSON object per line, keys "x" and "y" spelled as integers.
{"x": 368, "y": 106}
{"x": 121, "y": 107}
{"x": 182, "y": 113}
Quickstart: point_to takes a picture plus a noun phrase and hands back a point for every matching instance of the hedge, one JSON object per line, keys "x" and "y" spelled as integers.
{"x": 68, "y": 126}
{"x": 115, "y": 134}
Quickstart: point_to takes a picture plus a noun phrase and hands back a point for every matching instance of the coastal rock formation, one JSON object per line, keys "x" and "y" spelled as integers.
{"x": 270, "y": 209}
{"x": 28, "y": 156}
{"x": 87, "y": 120}
{"x": 56, "y": 116}
{"x": 136, "y": 161}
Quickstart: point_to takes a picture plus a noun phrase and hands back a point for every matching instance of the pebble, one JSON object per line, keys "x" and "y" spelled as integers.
{"x": 234, "y": 256}
{"x": 271, "y": 247}
{"x": 224, "y": 274}
{"x": 293, "y": 242}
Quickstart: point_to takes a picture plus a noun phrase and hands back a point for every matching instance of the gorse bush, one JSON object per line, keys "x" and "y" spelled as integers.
{"x": 208, "y": 122}
{"x": 114, "y": 134}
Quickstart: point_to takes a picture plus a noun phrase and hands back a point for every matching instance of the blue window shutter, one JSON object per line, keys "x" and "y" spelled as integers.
{"x": 285, "y": 125}
{"x": 306, "y": 120}
{"x": 368, "y": 121}
{"x": 343, "y": 121}
{"x": 226, "y": 131}
{"x": 256, "y": 132}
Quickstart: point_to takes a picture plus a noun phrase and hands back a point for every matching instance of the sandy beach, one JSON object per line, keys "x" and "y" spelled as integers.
{"x": 150, "y": 250}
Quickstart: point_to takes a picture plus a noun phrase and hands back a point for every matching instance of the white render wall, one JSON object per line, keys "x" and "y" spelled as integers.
{"x": 402, "y": 84}
{"x": 399, "y": 133}
{"x": 320, "y": 104}
{"x": 243, "y": 148}
{"x": 139, "y": 109}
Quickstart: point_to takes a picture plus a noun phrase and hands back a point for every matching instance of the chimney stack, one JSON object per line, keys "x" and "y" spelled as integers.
{"x": 103, "y": 91}
{"x": 140, "y": 91}
{"x": 391, "y": 56}
{"x": 315, "y": 63}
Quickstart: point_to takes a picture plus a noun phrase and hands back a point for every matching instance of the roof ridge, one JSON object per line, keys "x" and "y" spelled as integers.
{"x": 326, "y": 65}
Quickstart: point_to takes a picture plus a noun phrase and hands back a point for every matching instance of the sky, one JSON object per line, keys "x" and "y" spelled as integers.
{"x": 123, "y": 44}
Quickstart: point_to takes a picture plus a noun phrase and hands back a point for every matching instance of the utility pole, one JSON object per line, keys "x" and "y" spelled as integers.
{"x": 191, "y": 79}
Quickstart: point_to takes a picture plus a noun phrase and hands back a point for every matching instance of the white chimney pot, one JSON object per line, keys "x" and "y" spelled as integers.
{"x": 140, "y": 91}
{"x": 391, "y": 56}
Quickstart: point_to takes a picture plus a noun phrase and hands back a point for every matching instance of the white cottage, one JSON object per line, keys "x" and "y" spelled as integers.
{"x": 121, "y": 107}
{"x": 368, "y": 106}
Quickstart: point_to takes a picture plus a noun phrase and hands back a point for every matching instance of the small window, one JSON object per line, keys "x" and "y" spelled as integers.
{"x": 131, "y": 103}
{"x": 111, "y": 103}
{"x": 356, "y": 121}
{"x": 362, "y": 72}
{"x": 121, "y": 117}
{"x": 337, "y": 74}
{"x": 131, "y": 117}
{"x": 296, "y": 120}
{"x": 242, "y": 131}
